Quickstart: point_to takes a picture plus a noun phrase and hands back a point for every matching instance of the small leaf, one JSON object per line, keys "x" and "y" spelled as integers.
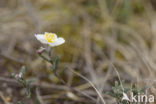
{"x": 114, "y": 89}
{"x": 20, "y": 81}
{"x": 23, "y": 70}
{"x": 116, "y": 84}
{"x": 111, "y": 94}
{"x": 126, "y": 90}
{"x": 28, "y": 82}
{"x": 124, "y": 102}
{"x": 56, "y": 63}
{"x": 20, "y": 102}
{"x": 123, "y": 81}
{"x": 44, "y": 58}
{"x": 120, "y": 88}
{"x": 28, "y": 91}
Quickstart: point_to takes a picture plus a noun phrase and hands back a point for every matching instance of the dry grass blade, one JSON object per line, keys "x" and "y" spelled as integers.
{"x": 101, "y": 97}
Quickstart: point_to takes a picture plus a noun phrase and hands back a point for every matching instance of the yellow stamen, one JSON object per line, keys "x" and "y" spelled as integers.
{"x": 50, "y": 37}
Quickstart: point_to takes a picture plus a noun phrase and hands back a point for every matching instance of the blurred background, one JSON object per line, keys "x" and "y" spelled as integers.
{"x": 98, "y": 33}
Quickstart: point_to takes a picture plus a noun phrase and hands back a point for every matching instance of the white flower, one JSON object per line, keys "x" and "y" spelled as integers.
{"x": 50, "y": 38}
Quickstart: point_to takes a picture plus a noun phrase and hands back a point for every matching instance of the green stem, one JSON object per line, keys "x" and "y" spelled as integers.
{"x": 50, "y": 52}
{"x": 44, "y": 58}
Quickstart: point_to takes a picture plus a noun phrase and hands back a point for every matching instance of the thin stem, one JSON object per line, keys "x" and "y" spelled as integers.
{"x": 118, "y": 76}
{"x": 50, "y": 52}
{"x": 90, "y": 84}
{"x": 73, "y": 89}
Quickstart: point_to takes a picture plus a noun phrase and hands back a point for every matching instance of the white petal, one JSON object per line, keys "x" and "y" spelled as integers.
{"x": 41, "y": 38}
{"x": 55, "y": 35}
{"x": 59, "y": 41}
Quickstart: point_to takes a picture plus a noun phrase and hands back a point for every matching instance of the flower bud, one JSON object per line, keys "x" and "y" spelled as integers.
{"x": 41, "y": 50}
{"x": 18, "y": 76}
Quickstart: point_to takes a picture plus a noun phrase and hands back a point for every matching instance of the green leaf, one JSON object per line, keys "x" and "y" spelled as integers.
{"x": 123, "y": 82}
{"x": 20, "y": 102}
{"x": 56, "y": 63}
{"x": 116, "y": 84}
{"x": 126, "y": 90}
{"x": 114, "y": 89}
{"x": 23, "y": 70}
{"x": 28, "y": 82}
{"x": 20, "y": 81}
{"x": 28, "y": 91}
{"x": 124, "y": 102}
{"x": 44, "y": 58}
{"x": 120, "y": 88}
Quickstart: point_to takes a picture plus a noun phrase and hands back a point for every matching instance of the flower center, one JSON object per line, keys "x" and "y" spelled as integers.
{"x": 50, "y": 37}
